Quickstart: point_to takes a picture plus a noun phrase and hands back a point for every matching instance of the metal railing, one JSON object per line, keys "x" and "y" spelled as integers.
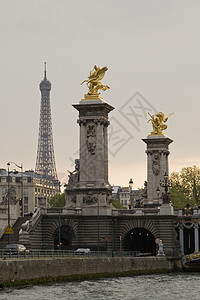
{"x": 65, "y": 253}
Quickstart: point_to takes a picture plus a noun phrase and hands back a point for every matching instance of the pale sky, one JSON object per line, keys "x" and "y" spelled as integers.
{"x": 152, "y": 51}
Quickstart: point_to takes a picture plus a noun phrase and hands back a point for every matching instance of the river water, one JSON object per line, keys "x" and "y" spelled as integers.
{"x": 185, "y": 286}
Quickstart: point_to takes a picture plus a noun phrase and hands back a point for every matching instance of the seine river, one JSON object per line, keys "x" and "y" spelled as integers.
{"x": 155, "y": 287}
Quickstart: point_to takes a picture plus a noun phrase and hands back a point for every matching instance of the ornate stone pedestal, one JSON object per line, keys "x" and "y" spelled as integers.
{"x": 88, "y": 187}
{"x": 166, "y": 209}
{"x": 157, "y": 166}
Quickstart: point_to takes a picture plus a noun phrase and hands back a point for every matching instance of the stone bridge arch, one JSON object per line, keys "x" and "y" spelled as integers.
{"x": 69, "y": 233}
{"x": 139, "y": 234}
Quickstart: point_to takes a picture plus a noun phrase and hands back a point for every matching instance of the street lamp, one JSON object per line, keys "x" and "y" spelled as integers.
{"x": 166, "y": 183}
{"x": 8, "y": 194}
{"x": 130, "y": 188}
{"x": 22, "y": 194}
{"x": 158, "y": 192}
{"x": 59, "y": 227}
{"x": 59, "y": 233}
{"x": 130, "y": 183}
{"x": 113, "y": 236}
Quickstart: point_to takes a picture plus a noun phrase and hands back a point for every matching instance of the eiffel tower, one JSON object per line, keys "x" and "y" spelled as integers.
{"x": 45, "y": 163}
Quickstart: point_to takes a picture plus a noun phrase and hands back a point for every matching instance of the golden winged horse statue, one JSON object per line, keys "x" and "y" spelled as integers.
{"x": 158, "y": 122}
{"x": 94, "y": 80}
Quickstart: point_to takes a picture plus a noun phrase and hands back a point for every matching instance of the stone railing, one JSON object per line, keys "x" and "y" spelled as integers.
{"x": 35, "y": 219}
{"x": 24, "y": 233}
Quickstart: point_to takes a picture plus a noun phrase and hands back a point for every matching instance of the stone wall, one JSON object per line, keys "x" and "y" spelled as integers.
{"x": 24, "y": 271}
{"x": 14, "y": 214}
{"x": 85, "y": 231}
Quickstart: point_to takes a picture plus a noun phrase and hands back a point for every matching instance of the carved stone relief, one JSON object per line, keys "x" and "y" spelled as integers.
{"x": 91, "y": 138}
{"x": 90, "y": 199}
{"x": 109, "y": 199}
{"x": 156, "y": 163}
{"x": 73, "y": 199}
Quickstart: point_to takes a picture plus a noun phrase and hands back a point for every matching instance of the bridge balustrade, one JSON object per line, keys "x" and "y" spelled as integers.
{"x": 40, "y": 253}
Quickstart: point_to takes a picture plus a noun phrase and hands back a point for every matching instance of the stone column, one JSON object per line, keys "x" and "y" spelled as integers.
{"x": 157, "y": 165}
{"x": 92, "y": 190}
{"x": 100, "y": 152}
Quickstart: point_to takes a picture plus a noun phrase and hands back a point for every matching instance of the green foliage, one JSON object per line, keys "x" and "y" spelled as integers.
{"x": 116, "y": 203}
{"x": 186, "y": 187}
{"x": 57, "y": 200}
{"x": 179, "y": 200}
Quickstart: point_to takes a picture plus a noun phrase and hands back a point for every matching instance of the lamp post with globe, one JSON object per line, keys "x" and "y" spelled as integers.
{"x": 131, "y": 193}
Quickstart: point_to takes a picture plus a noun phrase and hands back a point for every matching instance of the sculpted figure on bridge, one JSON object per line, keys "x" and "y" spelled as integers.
{"x": 74, "y": 175}
{"x": 94, "y": 80}
{"x": 158, "y": 122}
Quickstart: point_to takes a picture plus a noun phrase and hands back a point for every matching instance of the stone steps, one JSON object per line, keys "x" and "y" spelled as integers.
{"x": 14, "y": 238}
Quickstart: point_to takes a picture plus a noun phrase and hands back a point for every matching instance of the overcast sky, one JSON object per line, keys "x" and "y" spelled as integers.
{"x": 152, "y": 51}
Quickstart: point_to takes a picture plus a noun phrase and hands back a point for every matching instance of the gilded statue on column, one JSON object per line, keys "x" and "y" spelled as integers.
{"x": 94, "y": 81}
{"x": 158, "y": 122}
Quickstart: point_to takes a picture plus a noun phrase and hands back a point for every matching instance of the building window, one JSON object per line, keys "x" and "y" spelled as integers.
{"x": 25, "y": 191}
{"x": 25, "y": 200}
{"x": 36, "y": 190}
{"x": 35, "y": 201}
{"x": 25, "y": 209}
{"x": 4, "y": 190}
{"x": 24, "y": 180}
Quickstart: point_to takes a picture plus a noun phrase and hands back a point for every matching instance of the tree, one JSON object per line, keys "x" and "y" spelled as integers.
{"x": 185, "y": 186}
{"x": 179, "y": 200}
{"x": 57, "y": 200}
{"x": 116, "y": 203}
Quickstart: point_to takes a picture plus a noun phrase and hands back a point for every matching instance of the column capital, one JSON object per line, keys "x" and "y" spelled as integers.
{"x": 81, "y": 122}
{"x": 102, "y": 122}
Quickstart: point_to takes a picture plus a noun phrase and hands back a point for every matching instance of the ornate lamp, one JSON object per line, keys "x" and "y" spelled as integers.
{"x": 166, "y": 183}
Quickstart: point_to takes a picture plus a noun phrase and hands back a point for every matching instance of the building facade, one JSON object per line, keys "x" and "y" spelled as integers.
{"x": 124, "y": 196}
{"x": 26, "y": 187}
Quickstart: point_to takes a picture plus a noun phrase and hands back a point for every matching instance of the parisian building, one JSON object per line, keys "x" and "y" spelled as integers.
{"x": 26, "y": 187}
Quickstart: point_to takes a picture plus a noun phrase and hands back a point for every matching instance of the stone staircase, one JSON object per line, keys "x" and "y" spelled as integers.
{"x": 42, "y": 235}
{"x": 14, "y": 238}
{"x": 36, "y": 236}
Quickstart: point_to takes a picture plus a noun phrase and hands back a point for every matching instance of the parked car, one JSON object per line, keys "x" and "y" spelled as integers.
{"x": 83, "y": 251}
{"x": 15, "y": 249}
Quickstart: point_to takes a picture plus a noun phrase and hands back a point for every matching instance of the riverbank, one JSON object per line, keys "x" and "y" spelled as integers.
{"x": 21, "y": 272}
